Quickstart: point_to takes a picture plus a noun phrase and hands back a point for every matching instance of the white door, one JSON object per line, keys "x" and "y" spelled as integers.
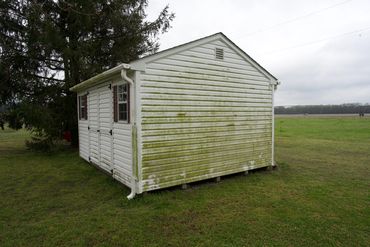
{"x": 93, "y": 118}
{"x": 100, "y": 126}
{"x": 105, "y": 127}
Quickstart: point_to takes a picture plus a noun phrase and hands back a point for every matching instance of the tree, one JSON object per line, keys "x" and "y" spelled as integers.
{"x": 48, "y": 46}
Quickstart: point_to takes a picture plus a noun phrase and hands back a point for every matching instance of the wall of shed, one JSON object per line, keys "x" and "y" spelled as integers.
{"x": 83, "y": 137}
{"x": 111, "y": 153}
{"x": 202, "y": 117}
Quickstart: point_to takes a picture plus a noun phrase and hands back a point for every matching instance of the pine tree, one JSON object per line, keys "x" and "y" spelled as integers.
{"x": 46, "y": 47}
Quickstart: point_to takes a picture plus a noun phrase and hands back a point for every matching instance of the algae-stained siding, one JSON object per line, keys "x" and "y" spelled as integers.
{"x": 199, "y": 110}
{"x": 203, "y": 117}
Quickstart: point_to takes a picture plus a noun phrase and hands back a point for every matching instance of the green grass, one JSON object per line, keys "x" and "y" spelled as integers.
{"x": 319, "y": 196}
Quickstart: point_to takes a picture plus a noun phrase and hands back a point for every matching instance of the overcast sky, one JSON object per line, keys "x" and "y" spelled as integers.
{"x": 315, "y": 48}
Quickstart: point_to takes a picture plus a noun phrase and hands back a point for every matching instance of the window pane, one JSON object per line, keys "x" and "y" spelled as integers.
{"x": 82, "y": 112}
{"x": 121, "y": 107}
{"x": 122, "y": 111}
{"x": 122, "y": 88}
{"x": 123, "y": 116}
{"x": 122, "y": 97}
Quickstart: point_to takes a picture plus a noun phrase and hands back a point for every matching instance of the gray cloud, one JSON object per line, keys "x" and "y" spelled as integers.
{"x": 328, "y": 72}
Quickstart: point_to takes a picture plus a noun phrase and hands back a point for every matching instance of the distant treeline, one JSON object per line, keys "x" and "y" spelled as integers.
{"x": 324, "y": 109}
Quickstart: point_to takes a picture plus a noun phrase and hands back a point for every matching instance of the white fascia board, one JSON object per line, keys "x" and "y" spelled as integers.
{"x": 140, "y": 63}
{"x": 249, "y": 59}
{"x": 99, "y": 78}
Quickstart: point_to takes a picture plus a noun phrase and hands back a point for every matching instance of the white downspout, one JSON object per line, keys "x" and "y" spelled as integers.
{"x": 273, "y": 127}
{"x": 274, "y": 87}
{"x": 133, "y": 184}
{"x": 126, "y": 78}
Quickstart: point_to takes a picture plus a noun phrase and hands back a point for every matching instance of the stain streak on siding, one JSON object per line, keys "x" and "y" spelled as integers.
{"x": 203, "y": 117}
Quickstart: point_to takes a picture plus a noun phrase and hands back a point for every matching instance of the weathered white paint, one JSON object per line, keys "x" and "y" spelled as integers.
{"x": 203, "y": 117}
{"x": 112, "y": 153}
{"x": 193, "y": 117}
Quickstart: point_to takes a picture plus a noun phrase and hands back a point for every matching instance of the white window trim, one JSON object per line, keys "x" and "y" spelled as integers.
{"x": 80, "y": 107}
{"x": 127, "y": 104}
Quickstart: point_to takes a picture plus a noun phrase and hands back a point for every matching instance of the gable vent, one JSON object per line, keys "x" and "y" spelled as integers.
{"x": 219, "y": 53}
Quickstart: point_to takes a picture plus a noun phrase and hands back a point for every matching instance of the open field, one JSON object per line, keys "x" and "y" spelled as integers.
{"x": 319, "y": 196}
{"x": 321, "y": 115}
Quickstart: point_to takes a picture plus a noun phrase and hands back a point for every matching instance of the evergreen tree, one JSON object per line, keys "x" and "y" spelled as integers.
{"x": 48, "y": 46}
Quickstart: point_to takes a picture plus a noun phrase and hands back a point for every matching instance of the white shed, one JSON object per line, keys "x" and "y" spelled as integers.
{"x": 200, "y": 110}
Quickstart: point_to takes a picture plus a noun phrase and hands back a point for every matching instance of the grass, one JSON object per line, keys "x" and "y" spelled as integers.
{"x": 319, "y": 196}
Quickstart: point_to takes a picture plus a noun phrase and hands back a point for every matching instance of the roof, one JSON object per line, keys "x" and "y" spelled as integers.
{"x": 196, "y": 42}
{"x": 139, "y": 64}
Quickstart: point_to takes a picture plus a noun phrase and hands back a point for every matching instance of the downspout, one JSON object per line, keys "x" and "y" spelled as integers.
{"x": 274, "y": 87}
{"x": 133, "y": 183}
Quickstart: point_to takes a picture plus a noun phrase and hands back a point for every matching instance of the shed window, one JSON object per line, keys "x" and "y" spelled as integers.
{"x": 82, "y": 101}
{"x": 122, "y": 103}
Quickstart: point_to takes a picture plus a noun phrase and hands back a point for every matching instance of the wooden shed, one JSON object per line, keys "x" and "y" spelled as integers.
{"x": 200, "y": 110}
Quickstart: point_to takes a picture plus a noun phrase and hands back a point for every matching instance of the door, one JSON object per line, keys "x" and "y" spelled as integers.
{"x": 105, "y": 127}
{"x": 100, "y": 126}
{"x": 93, "y": 118}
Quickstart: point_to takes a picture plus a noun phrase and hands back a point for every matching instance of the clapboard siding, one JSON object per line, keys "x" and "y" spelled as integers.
{"x": 83, "y": 136}
{"x": 202, "y": 117}
{"x": 122, "y": 155}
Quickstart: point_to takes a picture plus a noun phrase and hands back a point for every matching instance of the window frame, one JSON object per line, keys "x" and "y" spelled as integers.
{"x": 126, "y": 102}
{"x": 82, "y": 107}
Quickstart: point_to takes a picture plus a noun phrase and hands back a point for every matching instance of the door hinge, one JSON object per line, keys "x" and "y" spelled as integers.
{"x": 88, "y": 127}
{"x": 110, "y": 86}
{"x": 111, "y": 132}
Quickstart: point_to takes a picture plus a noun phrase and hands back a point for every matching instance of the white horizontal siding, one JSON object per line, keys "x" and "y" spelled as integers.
{"x": 83, "y": 139}
{"x": 122, "y": 143}
{"x": 112, "y": 153}
{"x": 202, "y": 117}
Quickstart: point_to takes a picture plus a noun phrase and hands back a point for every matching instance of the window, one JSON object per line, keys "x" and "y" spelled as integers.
{"x": 121, "y": 103}
{"x": 82, "y": 106}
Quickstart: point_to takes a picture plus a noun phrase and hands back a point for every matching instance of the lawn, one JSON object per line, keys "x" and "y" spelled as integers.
{"x": 319, "y": 196}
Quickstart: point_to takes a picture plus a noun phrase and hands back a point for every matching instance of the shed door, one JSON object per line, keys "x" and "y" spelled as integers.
{"x": 93, "y": 118}
{"x": 100, "y": 125}
{"x": 105, "y": 127}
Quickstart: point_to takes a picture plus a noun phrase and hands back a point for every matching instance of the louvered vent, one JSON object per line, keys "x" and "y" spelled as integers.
{"x": 219, "y": 53}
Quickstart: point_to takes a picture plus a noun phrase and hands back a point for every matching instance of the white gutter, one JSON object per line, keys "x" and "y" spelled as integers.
{"x": 99, "y": 78}
{"x": 133, "y": 183}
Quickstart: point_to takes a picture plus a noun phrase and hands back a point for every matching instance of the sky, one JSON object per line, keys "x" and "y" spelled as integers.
{"x": 319, "y": 50}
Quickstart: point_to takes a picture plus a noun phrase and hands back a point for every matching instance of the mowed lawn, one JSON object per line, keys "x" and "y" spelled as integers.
{"x": 319, "y": 196}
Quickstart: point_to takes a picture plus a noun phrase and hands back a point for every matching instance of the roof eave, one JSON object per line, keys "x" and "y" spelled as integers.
{"x": 98, "y": 78}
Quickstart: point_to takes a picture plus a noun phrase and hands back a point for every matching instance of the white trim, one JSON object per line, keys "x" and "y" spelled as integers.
{"x": 171, "y": 51}
{"x": 248, "y": 59}
{"x": 140, "y": 64}
{"x": 88, "y": 125}
{"x": 120, "y": 83}
{"x": 111, "y": 128}
{"x": 137, "y": 85}
{"x": 99, "y": 78}
{"x": 273, "y": 126}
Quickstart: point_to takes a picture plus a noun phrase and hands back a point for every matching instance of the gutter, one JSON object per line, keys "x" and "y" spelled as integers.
{"x": 100, "y": 77}
{"x": 122, "y": 68}
{"x": 133, "y": 183}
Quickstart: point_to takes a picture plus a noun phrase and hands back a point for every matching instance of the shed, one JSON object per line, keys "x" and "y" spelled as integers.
{"x": 196, "y": 111}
